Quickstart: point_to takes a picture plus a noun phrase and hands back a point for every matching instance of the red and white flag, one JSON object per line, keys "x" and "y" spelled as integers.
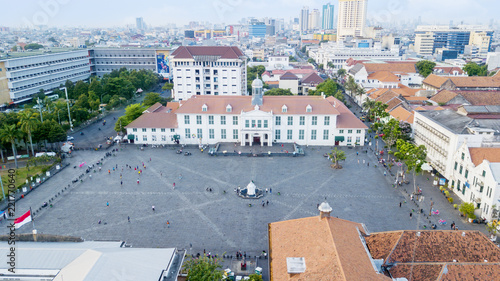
{"x": 22, "y": 220}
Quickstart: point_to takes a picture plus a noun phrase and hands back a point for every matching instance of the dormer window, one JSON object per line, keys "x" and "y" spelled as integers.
{"x": 284, "y": 109}
{"x": 229, "y": 108}
{"x": 204, "y": 108}
{"x": 309, "y": 108}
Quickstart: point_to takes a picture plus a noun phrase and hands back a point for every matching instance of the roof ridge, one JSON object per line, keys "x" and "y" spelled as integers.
{"x": 394, "y": 248}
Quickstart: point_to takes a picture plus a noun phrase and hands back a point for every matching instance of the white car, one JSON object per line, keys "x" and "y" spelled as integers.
{"x": 70, "y": 138}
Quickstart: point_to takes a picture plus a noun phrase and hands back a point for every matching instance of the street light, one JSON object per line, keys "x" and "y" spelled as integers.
{"x": 67, "y": 103}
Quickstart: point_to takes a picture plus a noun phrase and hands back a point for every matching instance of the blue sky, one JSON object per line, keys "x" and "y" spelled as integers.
{"x": 107, "y": 13}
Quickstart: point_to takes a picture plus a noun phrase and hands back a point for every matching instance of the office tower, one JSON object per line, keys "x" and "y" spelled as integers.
{"x": 351, "y": 18}
{"x": 139, "y": 23}
{"x": 314, "y": 20}
{"x": 304, "y": 19}
{"x": 328, "y": 15}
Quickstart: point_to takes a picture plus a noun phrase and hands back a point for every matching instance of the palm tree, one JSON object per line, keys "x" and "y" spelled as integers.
{"x": 360, "y": 91}
{"x": 351, "y": 85}
{"x": 368, "y": 106}
{"x": 28, "y": 122}
{"x": 335, "y": 156}
{"x": 9, "y": 133}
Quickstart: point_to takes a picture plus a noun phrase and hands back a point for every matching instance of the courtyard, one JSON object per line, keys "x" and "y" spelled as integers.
{"x": 217, "y": 221}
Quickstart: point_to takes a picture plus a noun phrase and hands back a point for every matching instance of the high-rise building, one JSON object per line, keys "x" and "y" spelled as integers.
{"x": 304, "y": 19}
{"x": 139, "y": 23}
{"x": 430, "y": 38}
{"x": 257, "y": 29}
{"x": 328, "y": 15}
{"x": 314, "y": 20}
{"x": 351, "y": 18}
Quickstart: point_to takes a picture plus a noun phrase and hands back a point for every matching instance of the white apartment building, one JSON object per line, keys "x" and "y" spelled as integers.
{"x": 104, "y": 61}
{"x": 424, "y": 44}
{"x": 444, "y": 131}
{"x": 21, "y": 78}
{"x": 351, "y": 18}
{"x": 201, "y": 70}
{"x": 338, "y": 54}
{"x": 256, "y": 120}
{"x": 314, "y": 20}
{"x": 475, "y": 178}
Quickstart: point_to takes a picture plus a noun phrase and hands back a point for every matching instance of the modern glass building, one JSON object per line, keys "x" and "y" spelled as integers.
{"x": 328, "y": 15}
{"x": 257, "y": 30}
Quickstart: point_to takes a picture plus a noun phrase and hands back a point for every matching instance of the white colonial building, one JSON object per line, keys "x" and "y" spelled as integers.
{"x": 202, "y": 70}
{"x": 476, "y": 178}
{"x": 442, "y": 132}
{"x": 256, "y": 120}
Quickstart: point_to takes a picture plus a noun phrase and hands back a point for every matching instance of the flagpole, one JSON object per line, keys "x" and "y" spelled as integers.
{"x": 33, "y": 224}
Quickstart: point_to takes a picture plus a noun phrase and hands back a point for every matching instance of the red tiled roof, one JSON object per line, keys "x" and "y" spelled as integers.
{"x": 444, "y": 96}
{"x": 400, "y": 113}
{"x": 449, "y": 70}
{"x": 312, "y": 78}
{"x": 478, "y": 154}
{"x": 346, "y": 119}
{"x": 384, "y": 76}
{"x": 223, "y": 52}
{"x": 394, "y": 67}
{"x": 155, "y": 120}
{"x": 295, "y": 105}
{"x": 289, "y": 76}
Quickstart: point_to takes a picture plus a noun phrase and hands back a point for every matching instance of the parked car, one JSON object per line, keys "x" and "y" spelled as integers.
{"x": 70, "y": 138}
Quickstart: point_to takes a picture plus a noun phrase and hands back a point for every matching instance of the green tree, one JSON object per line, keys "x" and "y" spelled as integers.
{"x": 120, "y": 124}
{"x": 278, "y": 92}
{"x": 255, "y": 277}
{"x": 413, "y": 156}
{"x": 360, "y": 91}
{"x": 33, "y": 46}
{"x": 473, "y": 69}
{"x": 425, "y": 67}
{"x": 341, "y": 72}
{"x": 96, "y": 87}
{"x": 311, "y": 60}
{"x": 335, "y": 156}
{"x": 330, "y": 65}
{"x": 328, "y": 87}
{"x": 167, "y": 86}
{"x": 292, "y": 59}
{"x": 351, "y": 85}
{"x": 152, "y": 98}
{"x": 203, "y": 269}
{"x": 28, "y": 121}
{"x": 320, "y": 66}
{"x": 133, "y": 111}
{"x": 392, "y": 133}
{"x": 467, "y": 209}
{"x": 378, "y": 112}
{"x": 10, "y": 134}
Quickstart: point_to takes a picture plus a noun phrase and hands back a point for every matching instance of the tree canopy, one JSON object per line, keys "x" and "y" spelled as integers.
{"x": 152, "y": 98}
{"x": 473, "y": 69}
{"x": 278, "y": 92}
{"x": 203, "y": 269}
{"x": 132, "y": 112}
{"x": 425, "y": 67}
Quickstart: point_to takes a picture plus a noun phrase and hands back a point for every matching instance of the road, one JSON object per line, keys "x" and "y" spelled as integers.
{"x": 96, "y": 133}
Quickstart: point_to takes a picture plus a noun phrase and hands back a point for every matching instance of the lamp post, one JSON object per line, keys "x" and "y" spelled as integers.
{"x": 67, "y": 103}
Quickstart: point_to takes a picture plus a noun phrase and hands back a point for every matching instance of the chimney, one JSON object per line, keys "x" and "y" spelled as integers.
{"x": 324, "y": 210}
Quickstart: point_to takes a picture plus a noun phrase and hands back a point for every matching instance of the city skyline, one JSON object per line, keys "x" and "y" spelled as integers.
{"x": 63, "y": 13}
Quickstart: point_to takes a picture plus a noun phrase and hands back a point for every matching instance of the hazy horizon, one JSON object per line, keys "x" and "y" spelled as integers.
{"x": 114, "y": 13}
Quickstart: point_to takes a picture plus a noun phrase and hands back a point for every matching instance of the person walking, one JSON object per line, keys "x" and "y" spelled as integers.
{"x": 153, "y": 207}
{"x": 267, "y": 202}
{"x": 121, "y": 182}
{"x": 137, "y": 180}
{"x": 385, "y": 173}
{"x": 107, "y": 204}
{"x": 399, "y": 204}
{"x": 173, "y": 185}
{"x": 411, "y": 215}
{"x": 270, "y": 190}
{"x": 128, "y": 218}
{"x": 168, "y": 224}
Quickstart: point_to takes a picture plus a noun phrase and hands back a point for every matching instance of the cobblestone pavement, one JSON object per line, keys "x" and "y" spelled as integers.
{"x": 216, "y": 221}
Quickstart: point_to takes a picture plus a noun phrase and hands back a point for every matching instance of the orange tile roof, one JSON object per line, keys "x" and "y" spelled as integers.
{"x": 435, "y": 81}
{"x": 464, "y": 81}
{"x": 387, "y": 96}
{"x": 331, "y": 248}
{"x": 406, "y": 91}
{"x": 295, "y": 105}
{"x": 401, "y": 114}
{"x": 416, "y": 98}
{"x": 394, "y": 67}
{"x": 427, "y": 271}
{"x": 428, "y": 107}
{"x": 478, "y": 154}
{"x": 392, "y": 103}
{"x": 444, "y": 96}
{"x": 467, "y": 271}
{"x": 449, "y": 70}
{"x": 346, "y": 119}
{"x": 384, "y": 76}
{"x": 155, "y": 120}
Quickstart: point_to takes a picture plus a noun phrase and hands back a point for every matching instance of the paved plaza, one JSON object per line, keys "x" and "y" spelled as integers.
{"x": 216, "y": 221}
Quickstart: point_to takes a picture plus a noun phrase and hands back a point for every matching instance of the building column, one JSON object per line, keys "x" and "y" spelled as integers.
{"x": 242, "y": 142}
